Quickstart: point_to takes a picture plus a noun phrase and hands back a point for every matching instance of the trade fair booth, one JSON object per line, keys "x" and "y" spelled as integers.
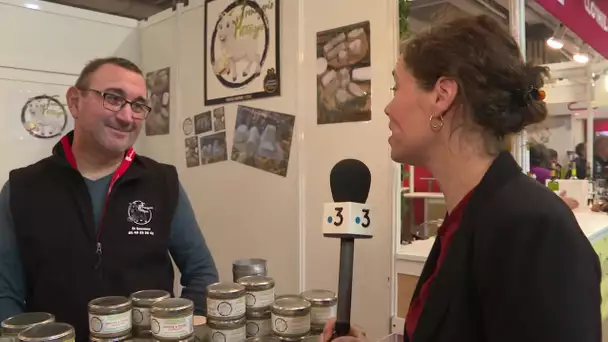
{"x": 254, "y": 137}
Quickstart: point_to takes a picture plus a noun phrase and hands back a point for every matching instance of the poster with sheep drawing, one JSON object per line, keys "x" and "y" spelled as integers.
{"x": 241, "y": 50}
{"x": 344, "y": 74}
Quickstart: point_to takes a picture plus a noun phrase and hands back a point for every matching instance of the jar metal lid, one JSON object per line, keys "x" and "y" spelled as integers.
{"x": 286, "y": 296}
{"x": 292, "y": 338}
{"x": 291, "y": 306}
{"x": 261, "y": 313}
{"x": 191, "y": 338}
{"x": 113, "y": 339}
{"x": 148, "y": 297}
{"x": 223, "y": 290}
{"x": 263, "y": 339}
{"x": 172, "y": 305}
{"x": 249, "y": 263}
{"x": 227, "y": 323}
{"x": 257, "y": 282}
{"x": 46, "y": 332}
{"x": 111, "y": 303}
{"x": 18, "y": 323}
{"x": 320, "y": 297}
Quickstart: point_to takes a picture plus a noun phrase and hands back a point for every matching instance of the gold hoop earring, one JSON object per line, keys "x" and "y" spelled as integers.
{"x": 436, "y": 123}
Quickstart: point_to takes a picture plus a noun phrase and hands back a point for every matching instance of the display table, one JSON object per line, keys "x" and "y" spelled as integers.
{"x": 410, "y": 259}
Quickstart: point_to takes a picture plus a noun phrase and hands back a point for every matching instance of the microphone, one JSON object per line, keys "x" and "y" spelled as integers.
{"x": 347, "y": 218}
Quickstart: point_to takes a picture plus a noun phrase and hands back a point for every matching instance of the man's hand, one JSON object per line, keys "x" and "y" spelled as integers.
{"x": 354, "y": 335}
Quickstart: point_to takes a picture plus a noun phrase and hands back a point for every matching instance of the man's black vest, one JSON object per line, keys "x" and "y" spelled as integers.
{"x": 52, "y": 213}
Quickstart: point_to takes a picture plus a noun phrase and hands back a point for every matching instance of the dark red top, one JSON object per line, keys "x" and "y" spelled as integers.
{"x": 445, "y": 234}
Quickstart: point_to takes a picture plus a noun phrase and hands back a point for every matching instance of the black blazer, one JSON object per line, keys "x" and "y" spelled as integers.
{"x": 519, "y": 269}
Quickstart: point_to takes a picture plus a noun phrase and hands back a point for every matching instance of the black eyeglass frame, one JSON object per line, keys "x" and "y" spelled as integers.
{"x": 123, "y": 102}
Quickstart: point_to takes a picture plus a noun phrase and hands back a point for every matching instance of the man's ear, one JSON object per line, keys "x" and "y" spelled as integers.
{"x": 73, "y": 96}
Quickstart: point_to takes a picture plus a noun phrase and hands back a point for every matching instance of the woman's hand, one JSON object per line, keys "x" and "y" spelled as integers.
{"x": 354, "y": 334}
{"x": 571, "y": 202}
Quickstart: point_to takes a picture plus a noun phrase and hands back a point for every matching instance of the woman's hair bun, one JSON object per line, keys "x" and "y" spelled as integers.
{"x": 528, "y": 106}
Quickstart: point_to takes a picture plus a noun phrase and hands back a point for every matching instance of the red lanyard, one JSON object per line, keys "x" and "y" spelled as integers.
{"x": 122, "y": 168}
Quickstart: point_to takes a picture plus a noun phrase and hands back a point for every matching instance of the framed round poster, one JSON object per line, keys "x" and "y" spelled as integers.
{"x": 44, "y": 116}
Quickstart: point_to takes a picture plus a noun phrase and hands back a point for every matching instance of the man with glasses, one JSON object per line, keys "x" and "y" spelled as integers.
{"x": 95, "y": 219}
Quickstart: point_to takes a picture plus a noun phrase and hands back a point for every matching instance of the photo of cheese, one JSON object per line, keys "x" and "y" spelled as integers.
{"x": 344, "y": 74}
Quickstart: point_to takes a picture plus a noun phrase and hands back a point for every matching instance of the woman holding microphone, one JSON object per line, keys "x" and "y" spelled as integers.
{"x": 510, "y": 262}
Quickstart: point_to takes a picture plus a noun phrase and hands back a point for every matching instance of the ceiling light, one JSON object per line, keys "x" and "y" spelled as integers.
{"x": 32, "y": 6}
{"x": 581, "y": 56}
{"x": 556, "y": 41}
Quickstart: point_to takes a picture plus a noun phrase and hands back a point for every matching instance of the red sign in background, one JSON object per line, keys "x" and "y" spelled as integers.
{"x": 587, "y": 18}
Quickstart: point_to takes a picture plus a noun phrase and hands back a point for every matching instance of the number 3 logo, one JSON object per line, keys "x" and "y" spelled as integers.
{"x": 366, "y": 220}
{"x": 340, "y": 219}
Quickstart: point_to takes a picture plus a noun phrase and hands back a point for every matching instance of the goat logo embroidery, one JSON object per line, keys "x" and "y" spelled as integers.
{"x": 139, "y": 214}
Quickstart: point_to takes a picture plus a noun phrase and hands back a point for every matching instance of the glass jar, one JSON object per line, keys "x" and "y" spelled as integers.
{"x": 171, "y": 319}
{"x": 290, "y": 317}
{"x": 142, "y": 302}
{"x": 259, "y": 291}
{"x": 225, "y": 301}
{"x": 110, "y": 317}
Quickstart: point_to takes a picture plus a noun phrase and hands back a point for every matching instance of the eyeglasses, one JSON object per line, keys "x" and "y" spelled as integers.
{"x": 115, "y": 103}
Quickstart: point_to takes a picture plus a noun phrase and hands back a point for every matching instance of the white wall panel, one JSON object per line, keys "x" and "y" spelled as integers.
{"x": 61, "y": 39}
{"x": 243, "y": 212}
{"x": 367, "y": 141}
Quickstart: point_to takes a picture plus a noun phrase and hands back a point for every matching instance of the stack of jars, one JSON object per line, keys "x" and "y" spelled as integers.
{"x": 226, "y": 308}
{"x": 259, "y": 297}
{"x": 146, "y": 314}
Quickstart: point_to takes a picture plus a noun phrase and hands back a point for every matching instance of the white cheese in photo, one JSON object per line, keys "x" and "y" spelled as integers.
{"x": 362, "y": 74}
{"x": 356, "y": 33}
{"x": 328, "y": 77}
{"x": 335, "y": 41}
{"x": 342, "y": 96}
{"x": 344, "y": 77}
{"x": 335, "y": 51}
{"x": 354, "y": 89}
{"x": 342, "y": 56}
{"x": 321, "y": 66}
{"x": 355, "y": 46}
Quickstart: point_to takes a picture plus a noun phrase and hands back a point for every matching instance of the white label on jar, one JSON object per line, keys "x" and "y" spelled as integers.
{"x": 260, "y": 299}
{"x": 234, "y": 335}
{"x": 110, "y": 324}
{"x": 171, "y": 327}
{"x": 320, "y": 315}
{"x": 258, "y": 327}
{"x": 141, "y": 317}
{"x": 285, "y": 325}
{"x": 226, "y": 308}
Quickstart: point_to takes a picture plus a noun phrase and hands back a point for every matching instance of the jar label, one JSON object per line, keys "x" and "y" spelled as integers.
{"x": 258, "y": 327}
{"x": 171, "y": 327}
{"x": 233, "y": 335}
{"x": 260, "y": 299}
{"x": 226, "y": 308}
{"x": 284, "y": 325}
{"x": 110, "y": 324}
{"x": 320, "y": 315}
{"x": 141, "y": 317}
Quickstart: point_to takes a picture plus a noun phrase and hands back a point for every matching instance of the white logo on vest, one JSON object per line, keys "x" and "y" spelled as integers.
{"x": 139, "y": 214}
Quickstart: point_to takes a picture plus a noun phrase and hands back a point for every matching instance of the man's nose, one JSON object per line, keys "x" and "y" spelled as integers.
{"x": 126, "y": 115}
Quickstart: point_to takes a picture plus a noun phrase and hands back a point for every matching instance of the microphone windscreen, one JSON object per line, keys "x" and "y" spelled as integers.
{"x": 350, "y": 180}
